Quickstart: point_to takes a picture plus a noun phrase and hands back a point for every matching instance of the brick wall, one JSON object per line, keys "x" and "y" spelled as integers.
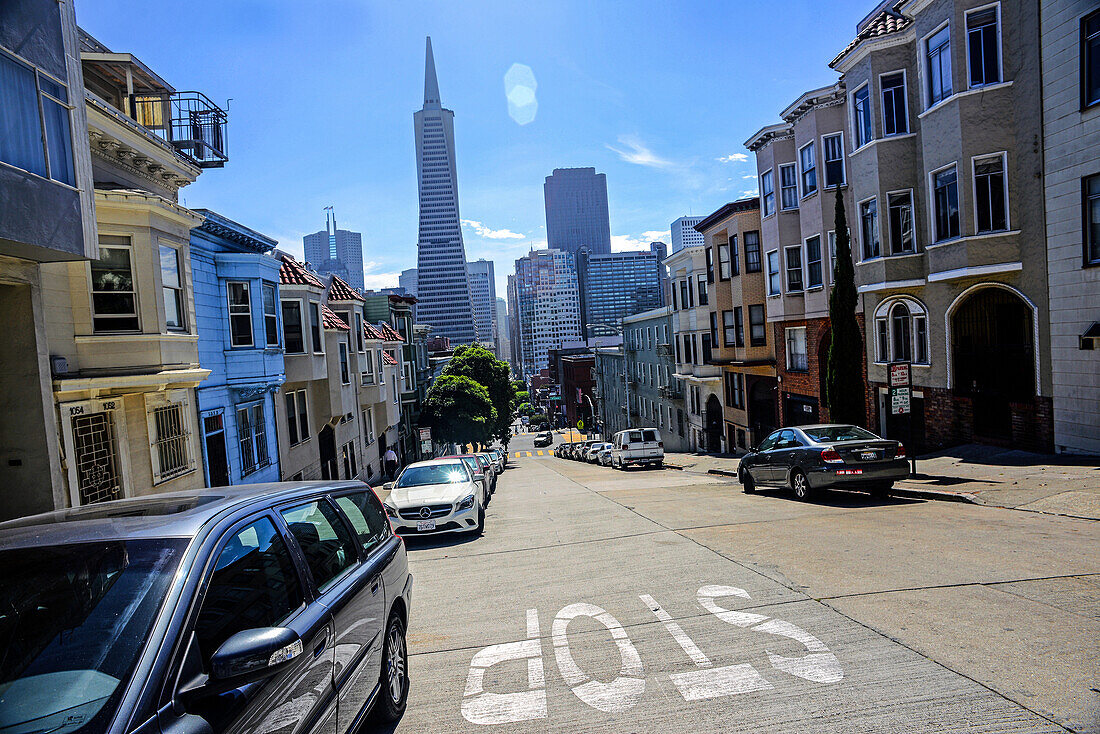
{"x": 949, "y": 421}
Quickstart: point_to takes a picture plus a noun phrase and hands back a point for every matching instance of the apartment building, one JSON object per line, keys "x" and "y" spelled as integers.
{"x": 1070, "y": 44}
{"x": 546, "y": 307}
{"x": 609, "y": 389}
{"x": 801, "y": 162}
{"x": 945, "y": 180}
{"x": 693, "y": 348}
{"x": 655, "y": 394}
{"x": 741, "y": 343}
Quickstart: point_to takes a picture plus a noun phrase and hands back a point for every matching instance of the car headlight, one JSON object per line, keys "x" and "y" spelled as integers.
{"x": 390, "y": 511}
{"x": 466, "y": 503}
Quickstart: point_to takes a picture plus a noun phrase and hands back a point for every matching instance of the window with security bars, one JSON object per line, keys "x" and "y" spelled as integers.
{"x": 252, "y": 437}
{"x": 95, "y": 452}
{"x": 170, "y": 437}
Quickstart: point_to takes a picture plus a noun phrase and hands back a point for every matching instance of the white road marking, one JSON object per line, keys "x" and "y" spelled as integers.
{"x": 620, "y": 694}
{"x": 707, "y": 594}
{"x": 820, "y": 666}
{"x": 480, "y": 707}
{"x": 677, "y": 632}
{"x": 699, "y": 685}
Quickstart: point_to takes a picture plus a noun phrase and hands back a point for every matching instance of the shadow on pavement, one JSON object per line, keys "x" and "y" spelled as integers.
{"x": 444, "y": 540}
{"x": 837, "y": 498}
{"x": 996, "y": 456}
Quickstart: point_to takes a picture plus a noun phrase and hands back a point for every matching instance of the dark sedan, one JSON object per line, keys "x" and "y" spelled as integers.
{"x": 809, "y": 458}
{"x": 263, "y": 608}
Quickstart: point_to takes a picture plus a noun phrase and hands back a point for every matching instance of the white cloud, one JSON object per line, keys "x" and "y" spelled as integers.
{"x": 491, "y": 234}
{"x": 654, "y": 235}
{"x": 750, "y": 192}
{"x": 378, "y": 281}
{"x": 638, "y": 153}
{"x": 733, "y": 158}
{"x": 622, "y": 242}
{"x": 751, "y": 175}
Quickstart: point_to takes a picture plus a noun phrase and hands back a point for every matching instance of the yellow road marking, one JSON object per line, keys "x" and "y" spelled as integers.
{"x": 539, "y": 453}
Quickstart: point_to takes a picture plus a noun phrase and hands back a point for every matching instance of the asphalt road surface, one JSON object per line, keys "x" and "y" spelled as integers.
{"x": 661, "y": 601}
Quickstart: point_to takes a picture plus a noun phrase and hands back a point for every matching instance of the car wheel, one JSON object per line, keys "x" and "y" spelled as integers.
{"x": 882, "y": 491}
{"x": 800, "y": 485}
{"x": 480, "y": 521}
{"x": 394, "y": 695}
{"x": 748, "y": 486}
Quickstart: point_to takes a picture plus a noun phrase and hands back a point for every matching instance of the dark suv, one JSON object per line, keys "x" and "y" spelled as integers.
{"x": 263, "y": 608}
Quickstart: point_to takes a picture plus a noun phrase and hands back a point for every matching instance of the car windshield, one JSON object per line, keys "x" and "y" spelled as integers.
{"x": 73, "y": 621}
{"x": 419, "y": 476}
{"x": 840, "y": 433}
{"x": 473, "y": 464}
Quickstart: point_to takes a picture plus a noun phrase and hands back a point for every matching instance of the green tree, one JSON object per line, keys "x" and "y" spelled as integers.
{"x": 480, "y": 365}
{"x": 525, "y": 409}
{"x": 522, "y": 397}
{"x": 844, "y": 363}
{"x": 459, "y": 410}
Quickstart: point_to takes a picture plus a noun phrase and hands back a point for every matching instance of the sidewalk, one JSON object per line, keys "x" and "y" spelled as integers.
{"x": 982, "y": 475}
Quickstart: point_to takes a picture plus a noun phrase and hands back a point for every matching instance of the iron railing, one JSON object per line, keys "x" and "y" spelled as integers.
{"x": 189, "y": 121}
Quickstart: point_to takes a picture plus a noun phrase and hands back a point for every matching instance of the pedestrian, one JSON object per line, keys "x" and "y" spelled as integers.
{"x": 391, "y": 462}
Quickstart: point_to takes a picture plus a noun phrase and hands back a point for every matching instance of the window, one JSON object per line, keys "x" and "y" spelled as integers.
{"x": 868, "y": 222}
{"x": 254, "y": 585}
{"x": 365, "y": 513}
{"x": 990, "y": 194}
{"x": 808, "y": 160}
{"x": 702, "y": 280}
{"x": 739, "y": 325}
{"x": 171, "y": 287}
{"x": 752, "y": 252}
{"x": 982, "y": 47}
{"x": 293, "y": 337}
{"x": 767, "y": 193}
{"x": 775, "y": 284}
{"x": 901, "y": 222}
{"x": 813, "y": 262}
{"x": 832, "y": 255}
{"x": 901, "y": 332}
{"x": 882, "y": 341}
{"x": 326, "y": 544}
{"x": 345, "y": 377}
{"x": 683, "y": 294}
{"x": 169, "y": 428}
{"x": 900, "y": 325}
{"x": 938, "y": 62}
{"x": 895, "y": 109}
{"x": 252, "y": 437}
{"x": 794, "y": 268}
{"x": 735, "y": 390}
{"x": 797, "y": 358}
{"x": 945, "y": 203}
{"x": 833, "y": 148}
{"x": 347, "y": 458}
{"x": 240, "y": 314}
{"x": 861, "y": 116}
{"x": 710, "y": 265}
{"x": 114, "y": 301}
{"x": 757, "y": 333}
{"x": 735, "y": 266}
{"x": 368, "y": 369}
{"x": 788, "y": 187}
{"x": 724, "y": 261}
{"x": 1090, "y": 189}
{"x": 705, "y": 339}
{"x": 34, "y": 122}
{"x": 297, "y": 424}
{"x": 271, "y": 318}
{"x": 729, "y": 335}
{"x": 315, "y": 327}
{"x": 1090, "y": 60}
{"x": 713, "y": 328}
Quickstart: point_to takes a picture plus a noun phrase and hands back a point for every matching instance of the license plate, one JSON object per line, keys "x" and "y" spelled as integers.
{"x": 849, "y": 472}
{"x": 868, "y": 455}
{"x": 422, "y": 525}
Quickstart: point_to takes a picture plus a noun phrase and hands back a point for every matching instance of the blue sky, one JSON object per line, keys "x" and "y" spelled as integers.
{"x": 659, "y": 96}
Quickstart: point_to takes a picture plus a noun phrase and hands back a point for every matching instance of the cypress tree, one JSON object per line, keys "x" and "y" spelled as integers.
{"x": 844, "y": 390}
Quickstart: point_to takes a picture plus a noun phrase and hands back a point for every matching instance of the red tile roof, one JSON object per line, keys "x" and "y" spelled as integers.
{"x": 887, "y": 23}
{"x": 389, "y": 333}
{"x": 331, "y": 320}
{"x": 387, "y": 359}
{"x": 341, "y": 291}
{"x": 292, "y": 272}
{"x": 372, "y": 333}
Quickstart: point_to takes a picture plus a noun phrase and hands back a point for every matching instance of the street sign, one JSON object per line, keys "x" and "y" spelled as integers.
{"x": 426, "y": 447}
{"x": 580, "y": 424}
{"x": 425, "y": 434}
{"x": 900, "y": 379}
{"x": 899, "y": 400}
{"x": 899, "y": 374}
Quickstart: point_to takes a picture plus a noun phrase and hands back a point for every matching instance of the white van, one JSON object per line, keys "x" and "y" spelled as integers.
{"x": 637, "y": 446}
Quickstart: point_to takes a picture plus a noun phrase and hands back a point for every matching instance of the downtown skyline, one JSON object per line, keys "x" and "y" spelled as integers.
{"x": 613, "y": 84}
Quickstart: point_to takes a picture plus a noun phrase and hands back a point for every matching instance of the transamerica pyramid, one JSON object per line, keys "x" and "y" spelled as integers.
{"x": 443, "y": 287}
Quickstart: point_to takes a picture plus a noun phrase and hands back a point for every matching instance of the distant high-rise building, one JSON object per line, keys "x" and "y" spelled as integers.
{"x": 483, "y": 297}
{"x": 443, "y": 288}
{"x": 407, "y": 280}
{"x": 660, "y": 249}
{"x": 547, "y": 310}
{"x": 617, "y": 285}
{"x": 576, "y": 211}
{"x": 504, "y": 345}
{"x": 336, "y": 252}
{"x": 684, "y": 234}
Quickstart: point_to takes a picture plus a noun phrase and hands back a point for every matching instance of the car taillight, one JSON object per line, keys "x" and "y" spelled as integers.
{"x": 830, "y": 456}
{"x": 900, "y": 453}
{"x": 660, "y": 444}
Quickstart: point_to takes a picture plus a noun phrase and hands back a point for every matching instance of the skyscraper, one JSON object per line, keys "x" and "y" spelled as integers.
{"x": 616, "y": 285}
{"x": 443, "y": 287}
{"x": 503, "y": 332}
{"x": 546, "y": 306}
{"x": 407, "y": 280}
{"x": 576, "y": 211}
{"x": 336, "y": 251}
{"x": 483, "y": 296}
{"x": 684, "y": 234}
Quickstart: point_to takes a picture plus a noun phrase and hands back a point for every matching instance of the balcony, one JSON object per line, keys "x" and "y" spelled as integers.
{"x": 188, "y": 121}
{"x": 671, "y": 392}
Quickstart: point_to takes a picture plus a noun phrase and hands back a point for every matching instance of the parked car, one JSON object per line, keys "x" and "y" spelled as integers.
{"x": 593, "y": 451}
{"x": 604, "y": 458}
{"x": 501, "y": 459}
{"x": 478, "y": 470}
{"x": 491, "y": 468}
{"x": 205, "y": 611}
{"x": 580, "y": 453}
{"x": 808, "y": 458}
{"x": 639, "y": 447}
{"x": 544, "y": 439}
{"x": 437, "y": 496}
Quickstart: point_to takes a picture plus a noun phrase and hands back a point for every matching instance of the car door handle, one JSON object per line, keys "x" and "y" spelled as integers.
{"x": 320, "y": 648}
{"x": 374, "y": 586}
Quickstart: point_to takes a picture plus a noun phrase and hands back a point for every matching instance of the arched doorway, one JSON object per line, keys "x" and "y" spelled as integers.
{"x": 714, "y": 424}
{"x": 993, "y": 356}
{"x": 761, "y": 409}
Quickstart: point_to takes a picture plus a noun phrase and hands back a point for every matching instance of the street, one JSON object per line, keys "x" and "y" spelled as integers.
{"x": 657, "y": 600}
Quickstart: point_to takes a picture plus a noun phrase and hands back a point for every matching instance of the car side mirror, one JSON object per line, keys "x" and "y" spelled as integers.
{"x": 254, "y": 654}
{"x": 388, "y": 486}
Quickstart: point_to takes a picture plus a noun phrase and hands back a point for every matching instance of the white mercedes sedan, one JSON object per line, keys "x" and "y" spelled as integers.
{"x": 438, "y": 496}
